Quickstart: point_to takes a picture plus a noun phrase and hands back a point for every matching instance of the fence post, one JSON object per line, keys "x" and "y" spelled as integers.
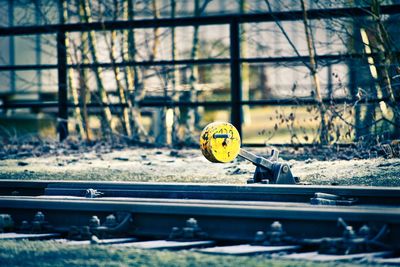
{"x": 62, "y": 79}
{"x": 11, "y": 45}
{"x": 236, "y": 81}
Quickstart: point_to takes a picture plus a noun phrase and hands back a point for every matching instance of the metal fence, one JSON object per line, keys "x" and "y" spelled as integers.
{"x": 235, "y": 60}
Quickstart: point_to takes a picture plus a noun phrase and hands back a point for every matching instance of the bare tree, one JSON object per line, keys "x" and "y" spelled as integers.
{"x": 387, "y": 56}
{"x": 71, "y": 82}
{"x": 126, "y": 120}
{"x": 314, "y": 75}
{"x": 188, "y": 114}
{"x": 85, "y": 11}
{"x": 245, "y": 66}
{"x": 132, "y": 74}
{"x": 175, "y": 78}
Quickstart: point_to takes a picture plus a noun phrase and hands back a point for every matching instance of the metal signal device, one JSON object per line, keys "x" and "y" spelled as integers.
{"x": 220, "y": 143}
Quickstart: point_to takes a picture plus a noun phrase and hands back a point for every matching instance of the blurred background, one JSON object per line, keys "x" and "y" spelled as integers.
{"x": 158, "y": 71}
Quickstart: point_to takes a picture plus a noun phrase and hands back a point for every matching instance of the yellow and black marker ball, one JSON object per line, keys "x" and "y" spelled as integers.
{"x": 220, "y": 142}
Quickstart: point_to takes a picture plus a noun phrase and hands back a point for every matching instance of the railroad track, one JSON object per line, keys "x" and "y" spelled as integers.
{"x": 272, "y": 214}
{"x": 307, "y": 222}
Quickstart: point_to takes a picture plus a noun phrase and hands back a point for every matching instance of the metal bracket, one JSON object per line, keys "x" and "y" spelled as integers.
{"x": 353, "y": 242}
{"x": 6, "y": 223}
{"x": 37, "y": 225}
{"x": 114, "y": 226}
{"x": 191, "y": 232}
{"x": 269, "y": 171}
{"x": 275, "y": 236}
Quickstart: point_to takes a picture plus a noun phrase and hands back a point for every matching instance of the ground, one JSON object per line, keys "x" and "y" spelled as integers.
{"x": 52, "y": 254}
{"x": 188, "y": 165}
{"x": 167, "y": 165}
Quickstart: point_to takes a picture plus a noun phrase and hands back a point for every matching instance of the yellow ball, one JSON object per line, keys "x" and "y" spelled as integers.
{"x": 220, "y": 142}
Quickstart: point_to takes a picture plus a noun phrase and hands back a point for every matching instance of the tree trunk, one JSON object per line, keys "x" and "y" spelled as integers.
{"x": 314, "y": 74}
{"x": 103, "y": 98}
{"x": 161, "y": 136}
{"x": 355, "y": 76}
{"x": 132, "y": 75}
{"x": 83, "y": 78}
{"x": 190, "y": 96}
{"x": 71, "y": 81}
{"x": 245, "y": 67}
{"x": 125, "y": 120}
{"x": 385, "y": 59}
{"x": 175, "y": 80}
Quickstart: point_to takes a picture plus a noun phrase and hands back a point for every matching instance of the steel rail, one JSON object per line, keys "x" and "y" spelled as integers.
{"x": 358, "y": 213}
{"x": 212, "y": 202}
{"x": 233, "y": 222}
{"x": 285, "y": 193}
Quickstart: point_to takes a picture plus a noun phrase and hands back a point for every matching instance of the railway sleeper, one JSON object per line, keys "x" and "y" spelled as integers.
{"x": 118, "y": 230}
